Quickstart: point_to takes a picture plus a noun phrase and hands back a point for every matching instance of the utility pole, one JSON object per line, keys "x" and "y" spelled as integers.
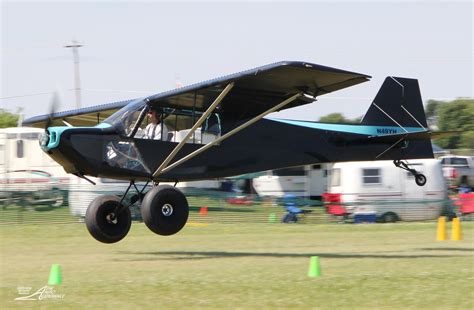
{"x": 77, "y": 80}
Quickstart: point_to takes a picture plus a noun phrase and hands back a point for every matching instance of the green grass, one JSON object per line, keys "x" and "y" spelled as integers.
{"x": 243, "y": 265}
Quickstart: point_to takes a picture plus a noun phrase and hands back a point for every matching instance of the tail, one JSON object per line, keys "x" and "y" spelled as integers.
{"x": 398, "y": 110}
{"x": 398, "y": 103}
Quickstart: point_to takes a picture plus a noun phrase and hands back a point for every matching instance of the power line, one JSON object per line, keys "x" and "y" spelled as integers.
{"x": 29, "y": 95}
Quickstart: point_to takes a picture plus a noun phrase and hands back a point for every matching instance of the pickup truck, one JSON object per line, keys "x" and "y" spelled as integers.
{"x": 458, "y": 170}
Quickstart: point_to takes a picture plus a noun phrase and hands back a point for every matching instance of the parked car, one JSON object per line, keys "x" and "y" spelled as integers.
{"x": 28, "y": 176}
{"x": 30, "y": 188}
{"x": 458, "y": 170}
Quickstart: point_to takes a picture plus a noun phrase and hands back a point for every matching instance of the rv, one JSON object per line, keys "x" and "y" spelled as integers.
{"x": 28, "y": 176}
{"x": 378, "y": 187}
{"x": 304, "y": 181}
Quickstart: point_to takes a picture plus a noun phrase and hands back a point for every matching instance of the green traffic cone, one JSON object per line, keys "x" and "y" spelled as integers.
{"x": 272, "y": 218}
{"x": 314, "y": 267}
{"x": 55, "y": 277}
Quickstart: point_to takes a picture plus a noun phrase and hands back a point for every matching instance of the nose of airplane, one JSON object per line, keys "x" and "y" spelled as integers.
{"x": 44, "y": 140}
{"x": 50, "y": 138}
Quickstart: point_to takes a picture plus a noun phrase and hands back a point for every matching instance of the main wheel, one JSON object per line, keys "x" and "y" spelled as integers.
{"x": 420, "y": 179}
{"x": 165, "y": 210}
{"x": 102, "y": 222}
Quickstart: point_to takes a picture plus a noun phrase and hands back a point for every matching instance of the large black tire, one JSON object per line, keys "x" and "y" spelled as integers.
{"x": 165, "y": 210}
{"x": 100, "y": 221}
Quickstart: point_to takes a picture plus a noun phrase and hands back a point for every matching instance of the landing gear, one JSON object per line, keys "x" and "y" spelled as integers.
{"x": 165, "y": 210}
{"x": 420, "y": 179}
{"x": 107, "y": 220}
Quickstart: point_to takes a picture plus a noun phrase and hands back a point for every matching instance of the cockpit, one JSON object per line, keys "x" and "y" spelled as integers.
{"x": 139, "y": 120}
{"x": 173, "y": 124}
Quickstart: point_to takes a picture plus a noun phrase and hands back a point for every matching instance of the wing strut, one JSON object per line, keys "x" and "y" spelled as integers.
{"x": 230, "y": 133}
{"x": 193, "y": 129}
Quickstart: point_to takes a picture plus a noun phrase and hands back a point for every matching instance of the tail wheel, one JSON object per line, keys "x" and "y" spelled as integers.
{"x": 165, "y": 210}
{"x": 102, "y": 221}
{"x": 420, "y": 179}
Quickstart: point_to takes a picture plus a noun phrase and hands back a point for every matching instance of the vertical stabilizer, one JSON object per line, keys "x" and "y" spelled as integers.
{"x": 398, "y": 103}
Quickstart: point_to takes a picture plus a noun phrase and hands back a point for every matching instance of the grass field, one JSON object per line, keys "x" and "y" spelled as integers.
{"x": 243, "y": 265}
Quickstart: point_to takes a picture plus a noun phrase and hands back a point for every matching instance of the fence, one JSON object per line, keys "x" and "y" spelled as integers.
{"x": 213, "y": 206}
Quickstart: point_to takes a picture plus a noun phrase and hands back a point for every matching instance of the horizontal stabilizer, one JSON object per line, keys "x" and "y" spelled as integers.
{"x": 419, "y": 135}
{"x": 441, "y": 134}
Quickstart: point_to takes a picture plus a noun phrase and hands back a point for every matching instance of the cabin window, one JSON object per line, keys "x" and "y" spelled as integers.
{"x": 175, "y": 125}
{"x": 336, "y": 177}
{"x": 371, "y": 176}
{"x": 20, "y": 149}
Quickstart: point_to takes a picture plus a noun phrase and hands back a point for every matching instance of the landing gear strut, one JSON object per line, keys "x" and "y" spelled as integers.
{"x": 420, "y": 179}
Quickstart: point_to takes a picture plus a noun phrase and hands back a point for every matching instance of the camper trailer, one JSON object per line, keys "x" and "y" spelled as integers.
{"x": 28, "y": 176}
{"x": 379, "y": 188}
{"x": 305, "y": 181}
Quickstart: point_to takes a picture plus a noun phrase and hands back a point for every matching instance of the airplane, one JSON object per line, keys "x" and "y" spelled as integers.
{"x": 217, "y": 128}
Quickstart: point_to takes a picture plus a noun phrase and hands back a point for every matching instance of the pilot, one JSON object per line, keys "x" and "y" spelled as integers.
{"x": 154, "y": 129}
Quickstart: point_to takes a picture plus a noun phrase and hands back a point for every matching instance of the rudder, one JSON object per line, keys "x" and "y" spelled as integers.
{"x": 397, "y": 103}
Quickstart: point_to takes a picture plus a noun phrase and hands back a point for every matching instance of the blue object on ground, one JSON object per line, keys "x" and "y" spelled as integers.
{"x": 365, "y": 218}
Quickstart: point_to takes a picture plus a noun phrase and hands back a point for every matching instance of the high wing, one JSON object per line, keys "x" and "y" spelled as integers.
{"x": 255, "y": 91}
{"x": 89, "y": 116}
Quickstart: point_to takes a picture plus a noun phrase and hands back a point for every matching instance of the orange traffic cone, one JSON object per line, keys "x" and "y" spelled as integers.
{"x": 203, "y": 211}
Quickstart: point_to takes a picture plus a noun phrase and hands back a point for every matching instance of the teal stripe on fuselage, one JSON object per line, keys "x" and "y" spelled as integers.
{"x": 355, "y": 129}
{"x": 56, "y": 132}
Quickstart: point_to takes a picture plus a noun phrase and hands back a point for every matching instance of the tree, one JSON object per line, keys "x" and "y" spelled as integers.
{"x": 431, "y": 109}
{"x": 8, "y": 119}
{"x": 457, "y": 115}
{"x": 431, "y": 112}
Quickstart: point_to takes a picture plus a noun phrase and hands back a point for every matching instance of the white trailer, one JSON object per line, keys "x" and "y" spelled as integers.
{"x": 389, "y": 192}
{"x": 305, "y": 181}
{"x": 27, "y": 174}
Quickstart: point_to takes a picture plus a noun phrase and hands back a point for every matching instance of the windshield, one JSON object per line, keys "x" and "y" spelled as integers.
{"x": 125, "y": 118}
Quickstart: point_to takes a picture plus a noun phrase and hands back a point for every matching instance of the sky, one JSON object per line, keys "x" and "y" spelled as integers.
{"x": 133, "y": 49}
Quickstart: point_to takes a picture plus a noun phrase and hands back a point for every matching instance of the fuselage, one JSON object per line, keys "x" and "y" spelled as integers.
{"x": 265, "y": 145}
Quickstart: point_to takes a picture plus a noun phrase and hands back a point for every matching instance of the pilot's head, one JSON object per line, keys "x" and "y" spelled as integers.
{"x": 154, "y": 116}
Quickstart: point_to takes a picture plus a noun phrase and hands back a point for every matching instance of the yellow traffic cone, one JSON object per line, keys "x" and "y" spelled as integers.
{"x": 441, "y": 232}
{"x": 456, "y": 234}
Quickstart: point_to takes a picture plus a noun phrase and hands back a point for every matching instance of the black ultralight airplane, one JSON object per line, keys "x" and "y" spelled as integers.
{"x": 217, "y": 129}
